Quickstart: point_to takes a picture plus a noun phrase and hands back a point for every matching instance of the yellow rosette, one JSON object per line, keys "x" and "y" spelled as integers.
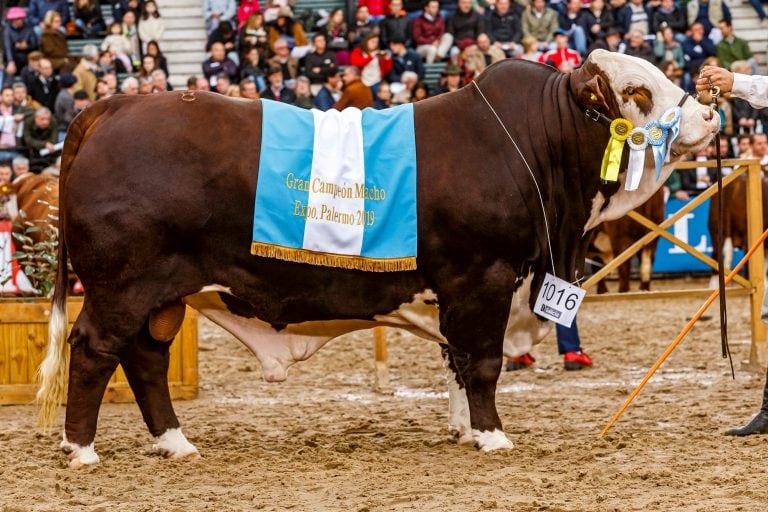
{"x": 620, "y": 130}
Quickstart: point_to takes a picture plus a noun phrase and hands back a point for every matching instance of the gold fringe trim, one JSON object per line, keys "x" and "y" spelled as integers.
{"x": 333, "y": 260}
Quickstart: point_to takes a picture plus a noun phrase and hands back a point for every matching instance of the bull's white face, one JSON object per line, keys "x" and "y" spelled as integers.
{"x": 643, "y": 94}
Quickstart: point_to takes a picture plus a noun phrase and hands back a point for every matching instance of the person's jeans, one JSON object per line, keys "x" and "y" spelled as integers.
{"x": 7, "y": 155}
{"x": 758, "y": 9}
{"x": 578, "y": 39}
{"x": 568, "y": 338}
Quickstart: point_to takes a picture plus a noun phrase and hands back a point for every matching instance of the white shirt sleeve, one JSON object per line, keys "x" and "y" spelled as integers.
{"x": 754, "y": 89}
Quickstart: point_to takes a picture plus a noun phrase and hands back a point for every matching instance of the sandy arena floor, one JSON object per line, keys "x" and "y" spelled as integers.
{"x": 324, "y": 441}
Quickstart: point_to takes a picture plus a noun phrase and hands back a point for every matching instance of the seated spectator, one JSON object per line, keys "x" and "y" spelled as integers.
{"x": 31, "y": 71}
{"x": 119, "y": 48}
{"x": 732, "y": 48}
{"x": 109, "y": 63}
{"x": 21, "y": 170}
{"x": 282, "y": 59}
{"x": 666, "y": 48}
{"x": 695, "y": 181}
{"x": 639, "y": 47}
{"x": 464, "y": 26}
{"x": 153, "y": 49}
{"x": 402, "y": 93}
{"x": 123, "y": 6}
{"x": 383, "y": 97}
{"x": 640, "y": 18}
{"x": 743, "y": 147}
{"x": 46, "y": 87}
{"x": 39, "y": 8}
{"x": 130, "y": 86}
{"x": 251, "y": 68}
{"x": 452, "y": 82}
{"x": 673, "y": 72}
{"x": 246, "y": 10}
{"x": 668, "y": 14}
{"x": 88, "y": 17}
{"x": 330, "y": 93}
{"x": 253, "y": 34}
{"x": 539, "y": 21}
{"x": 160, "y": 81}
{"x": 85, "y": 71}
{"x": 562, "y": 53}
{"x": 530, "y": 49}
{"x": 81, "y": 101}
{"x": 10, "y": 117}
{"x": 248, "y": 89}
{"x": 146, "y": 86}
{"x": 708, "y": 13}
{"x": 40, "y": 133}
{"x": 622, "y": 15}
{"x": 19, "y": 39}
{"x": 111, "y": 81}
{"x": 574, "y": 21}
{"x": 304, "y": 98}
{"x": 64, "y": 107}
{"x": 355, "y": 93}
{"x": 696, "y": 48}
{"x": 218, "y": 62}
{"x": 6, "y": 177}
{"x": 221, "y": 83}
{"x": 225, "y": 35}
{"x": 276, "y": 90}
{"x": 216, "y": 11}
{"x": 373, "y": 64}
{"x": 148, "y": 65}
{"x": 291, "y": 32}
{"x": 395, "y": 25}
{"x": 53, "y": 44}
{"x": 377, "y": 9}
{"x": 337, "y": 36}
{"x": 429, "y": 35}
{"x": 504, "y": 28}
{"x": 612, "y": 41}
{"x": 131, "y": 33}
{"x": 362, "y": 27}
{"x": 481, "y": 55}
{"x": 597, "y": 19}
{"x": 151, "y": 24}
{"x": 319, "y": 61}
{"x": 404, "y": 59}
{"x": 420, "y": 92}
{"x": 744, "y": 115}
{"x": 102, "y": 90}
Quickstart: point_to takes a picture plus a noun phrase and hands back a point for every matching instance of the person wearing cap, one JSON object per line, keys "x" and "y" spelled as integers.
{"x": 276, "y": 90}
{"x": 288, "y": 30}
{"x": 539, "y": 21}
{"x": 85, "y": 71}
{"x": 562, "y": 54}
{"x": 19, "y": 39}
{"x": 356, "y": 93}
{"x": 403, "y": 59}
{"x": 395, "y": 25}
{"x": 452, "y": 80}
{"x": 216, "y": 11}
{"x": 64, "y": 106}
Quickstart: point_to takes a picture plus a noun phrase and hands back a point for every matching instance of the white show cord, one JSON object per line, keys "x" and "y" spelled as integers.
{"x": 538, "y": 191}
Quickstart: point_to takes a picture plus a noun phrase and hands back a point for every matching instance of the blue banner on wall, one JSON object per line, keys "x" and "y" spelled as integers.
{"x": 692, "y": 228}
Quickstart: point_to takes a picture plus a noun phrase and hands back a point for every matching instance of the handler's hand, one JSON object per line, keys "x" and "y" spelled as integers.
{"x": 721, "y": 78}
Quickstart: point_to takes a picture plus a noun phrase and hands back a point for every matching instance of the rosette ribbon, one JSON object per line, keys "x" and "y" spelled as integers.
{"x": 670, "y": 120}
{"x": 637, "y": 142}
{"x": 657, "y": 138}
{"x": 620, "y": 130}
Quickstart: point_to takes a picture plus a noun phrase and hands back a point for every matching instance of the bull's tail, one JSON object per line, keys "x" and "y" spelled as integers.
{"x": 53, "y": 369}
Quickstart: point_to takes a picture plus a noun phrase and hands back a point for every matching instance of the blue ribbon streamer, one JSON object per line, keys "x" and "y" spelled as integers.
{"x": 658, "y": 144}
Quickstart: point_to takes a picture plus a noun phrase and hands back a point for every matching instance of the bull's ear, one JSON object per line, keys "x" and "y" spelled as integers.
{"x": 591, "y": 94}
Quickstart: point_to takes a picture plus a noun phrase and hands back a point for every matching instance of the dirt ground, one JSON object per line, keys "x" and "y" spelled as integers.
{"x": 324, "y": 440}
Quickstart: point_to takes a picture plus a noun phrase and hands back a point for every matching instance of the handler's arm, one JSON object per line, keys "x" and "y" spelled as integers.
{"x": 754, "y": 89}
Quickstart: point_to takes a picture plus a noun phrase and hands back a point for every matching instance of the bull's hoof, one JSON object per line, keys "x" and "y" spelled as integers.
{"x": 758, "y": 425}
{"x": 173, "y": 445}
{"x": 79, "y": 456}
{"x": 491, "y": 441}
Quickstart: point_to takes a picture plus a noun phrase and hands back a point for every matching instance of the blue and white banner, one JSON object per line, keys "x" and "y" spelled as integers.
{"x": 337, "y": 188}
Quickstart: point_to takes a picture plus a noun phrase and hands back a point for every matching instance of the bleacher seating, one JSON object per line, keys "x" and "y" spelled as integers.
{"x": 432, "y": 74}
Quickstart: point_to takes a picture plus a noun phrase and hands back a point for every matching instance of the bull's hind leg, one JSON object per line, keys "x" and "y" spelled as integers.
{"x": 93, "y": 359}
{"x": 458, "y": 407}
{"x": 145, "y": 362}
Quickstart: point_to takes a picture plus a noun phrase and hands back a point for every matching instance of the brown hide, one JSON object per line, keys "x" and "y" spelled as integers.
{"x": 38, "y": 197}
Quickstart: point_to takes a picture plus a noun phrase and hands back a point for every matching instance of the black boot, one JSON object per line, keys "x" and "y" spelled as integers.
{"x": 759, "y": 424}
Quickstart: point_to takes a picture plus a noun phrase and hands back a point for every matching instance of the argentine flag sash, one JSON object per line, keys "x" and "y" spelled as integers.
{"x": 337, "y": 188}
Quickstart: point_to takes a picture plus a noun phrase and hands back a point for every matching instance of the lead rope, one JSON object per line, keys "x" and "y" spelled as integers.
{"x": 726, "y": 351}
{"x": 538, "y": 190}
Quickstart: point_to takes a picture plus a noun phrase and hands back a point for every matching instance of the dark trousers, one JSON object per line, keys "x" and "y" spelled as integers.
{"x": 568, "y": 338}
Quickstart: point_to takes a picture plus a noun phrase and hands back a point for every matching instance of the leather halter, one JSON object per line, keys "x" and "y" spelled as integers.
{"x": 601, "y": 118}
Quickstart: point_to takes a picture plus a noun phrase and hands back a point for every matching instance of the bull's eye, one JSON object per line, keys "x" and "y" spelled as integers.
{"x": 629, "y": 91}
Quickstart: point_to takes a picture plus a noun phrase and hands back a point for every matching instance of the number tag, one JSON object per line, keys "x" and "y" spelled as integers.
{"x": 558, "y": 300}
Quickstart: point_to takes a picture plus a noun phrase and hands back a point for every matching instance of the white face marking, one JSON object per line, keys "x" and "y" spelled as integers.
{"x": 173, "y": 445}
{"x": 215, "y": 288}
{"x": 79, "y": 456}
{"x": 491, "y": 441}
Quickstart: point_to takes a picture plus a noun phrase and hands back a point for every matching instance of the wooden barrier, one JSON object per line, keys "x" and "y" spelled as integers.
{"x": 753, "y": 287}
{"x": 24, "y": 334}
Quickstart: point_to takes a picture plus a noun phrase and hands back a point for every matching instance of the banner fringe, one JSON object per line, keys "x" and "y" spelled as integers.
{"x": 333, "y": 260}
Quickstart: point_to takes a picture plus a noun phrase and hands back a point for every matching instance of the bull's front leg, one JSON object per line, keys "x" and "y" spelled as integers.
{"x": 759, "y": 424}
{"x": 458, "y": 407}
{"x": 145, "y": 362}
{"x": 92, "y": 362}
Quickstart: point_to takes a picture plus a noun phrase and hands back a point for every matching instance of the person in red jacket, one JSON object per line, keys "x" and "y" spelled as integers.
{"x": 429, "y": 36}
{"x": 561, "y": 57}
{"x": 373, "y": 64}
